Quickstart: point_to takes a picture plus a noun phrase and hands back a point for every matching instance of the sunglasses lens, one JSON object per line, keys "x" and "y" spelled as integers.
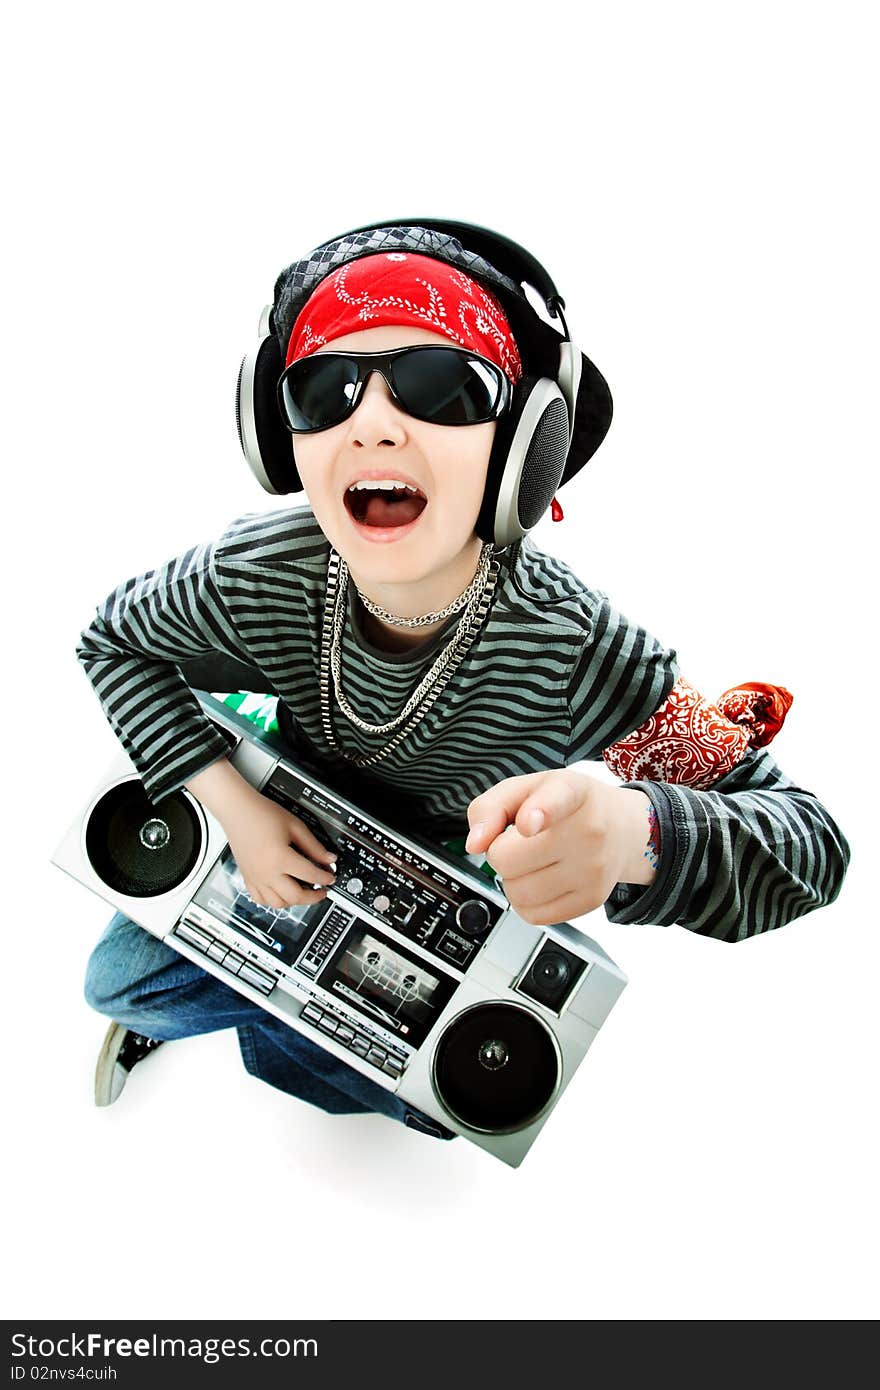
{"x": 442, "y": 385}
{"x": 316, "y": 392}
{"x": 447, "y": 387}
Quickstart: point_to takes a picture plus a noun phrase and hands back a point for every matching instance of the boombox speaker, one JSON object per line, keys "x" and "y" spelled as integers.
{"x": 414, "y": 969}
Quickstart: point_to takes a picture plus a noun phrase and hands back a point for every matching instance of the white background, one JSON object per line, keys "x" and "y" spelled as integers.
{"x": 700, "y": 182}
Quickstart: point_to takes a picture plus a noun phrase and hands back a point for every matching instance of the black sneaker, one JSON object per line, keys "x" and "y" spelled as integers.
{"x": 121, "y": 1050}
{"x": 417, "y": 1119}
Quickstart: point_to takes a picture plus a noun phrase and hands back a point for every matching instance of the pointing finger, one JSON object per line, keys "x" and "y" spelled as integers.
{"x": 493, "y": 810}
{"x": 553, "y": 801}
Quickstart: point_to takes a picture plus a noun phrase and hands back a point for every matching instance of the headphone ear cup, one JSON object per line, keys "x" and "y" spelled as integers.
{"x": 265, "y": 441}
{"x": 526, "y": 463}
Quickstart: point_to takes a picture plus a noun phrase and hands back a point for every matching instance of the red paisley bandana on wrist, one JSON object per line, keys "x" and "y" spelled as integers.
{"x": 691, "y": 741}
{"x": 404, "y": 288}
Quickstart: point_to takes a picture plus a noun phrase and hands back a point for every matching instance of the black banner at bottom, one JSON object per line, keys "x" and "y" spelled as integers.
{"x": 132, "y": 1353}
{"x": 319, "y": 1352}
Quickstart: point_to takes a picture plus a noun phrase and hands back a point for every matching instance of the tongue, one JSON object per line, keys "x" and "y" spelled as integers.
{"x": 382, "y": 512}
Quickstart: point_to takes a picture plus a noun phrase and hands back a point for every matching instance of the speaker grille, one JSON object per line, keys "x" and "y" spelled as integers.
{"x": 496, "y": 1067}
{"x": 543, "y": 465}
{"x": 140, "y": 848}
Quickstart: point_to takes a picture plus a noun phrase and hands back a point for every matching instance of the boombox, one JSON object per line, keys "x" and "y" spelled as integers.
{"x": 414, "y": 969}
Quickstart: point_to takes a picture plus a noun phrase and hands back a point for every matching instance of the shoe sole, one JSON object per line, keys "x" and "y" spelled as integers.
{"x": 110, "y": 1078}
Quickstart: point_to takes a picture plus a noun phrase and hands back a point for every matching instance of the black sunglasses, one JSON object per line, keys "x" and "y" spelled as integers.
{"x": 443, "y": 385}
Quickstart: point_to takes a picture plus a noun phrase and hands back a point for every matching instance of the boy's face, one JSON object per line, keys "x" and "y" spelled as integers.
{"x": 448, "y": 463}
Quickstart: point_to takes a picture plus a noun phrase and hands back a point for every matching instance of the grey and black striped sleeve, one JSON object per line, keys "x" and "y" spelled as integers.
{"x": 748, "y": 854}
{"x": 621, "y": 676}
{"x": 129, "y": 653}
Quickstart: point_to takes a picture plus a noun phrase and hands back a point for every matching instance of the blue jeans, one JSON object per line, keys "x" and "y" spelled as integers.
{"x": 149, "y": 987}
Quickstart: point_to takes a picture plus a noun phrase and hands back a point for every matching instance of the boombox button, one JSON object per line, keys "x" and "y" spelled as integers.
{"x": 453, "y": 947}
{"x": 217, "y": 952}
{"x": 376, "y": 1056}
{"x": 393, "y": 1066}
{"x": 328, "y": 1024}
{"x": 233, "y": 962}
{"x": 344, "y": 1034}
{"x": 360, "y": 1047}
{"x": 312, "y": 1013}
{"x": 193, "y": 935}
{"x": 263, "y": 982}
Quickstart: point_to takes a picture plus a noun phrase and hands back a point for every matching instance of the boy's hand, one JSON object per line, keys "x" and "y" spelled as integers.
{"x": 591, "y": 837}
{"x": 273, "y": 849}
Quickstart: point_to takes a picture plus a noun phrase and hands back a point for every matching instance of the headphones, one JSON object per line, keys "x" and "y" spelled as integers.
{"x": 560, "y": 409}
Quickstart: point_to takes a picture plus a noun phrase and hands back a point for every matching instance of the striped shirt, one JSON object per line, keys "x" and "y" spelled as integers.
{"x": 555, "y": 676}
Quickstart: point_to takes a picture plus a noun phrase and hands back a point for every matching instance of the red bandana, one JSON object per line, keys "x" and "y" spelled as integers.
{"x": 399, "y": 287}
{"x": 693, "y": 741}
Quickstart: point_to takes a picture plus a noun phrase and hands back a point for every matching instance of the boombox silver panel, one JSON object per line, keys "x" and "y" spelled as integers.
{"x": 475, "y": 975}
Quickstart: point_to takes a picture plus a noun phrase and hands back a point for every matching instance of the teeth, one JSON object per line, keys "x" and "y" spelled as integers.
{"x": 386, "y": 484}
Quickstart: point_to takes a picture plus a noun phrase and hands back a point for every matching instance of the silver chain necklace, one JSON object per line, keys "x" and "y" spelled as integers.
{"x": 424, "y": 619}
{"x": 475, "y": 601}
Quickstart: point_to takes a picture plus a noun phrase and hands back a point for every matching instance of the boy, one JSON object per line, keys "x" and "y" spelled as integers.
{"x": 465, "y": 679}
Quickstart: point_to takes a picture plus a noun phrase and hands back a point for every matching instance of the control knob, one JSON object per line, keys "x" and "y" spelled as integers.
{"x": 472, "y": 917}
{"x": 354, "y": 886}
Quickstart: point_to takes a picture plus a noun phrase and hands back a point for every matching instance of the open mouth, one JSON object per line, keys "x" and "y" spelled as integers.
{"x": 384, "y": 507}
